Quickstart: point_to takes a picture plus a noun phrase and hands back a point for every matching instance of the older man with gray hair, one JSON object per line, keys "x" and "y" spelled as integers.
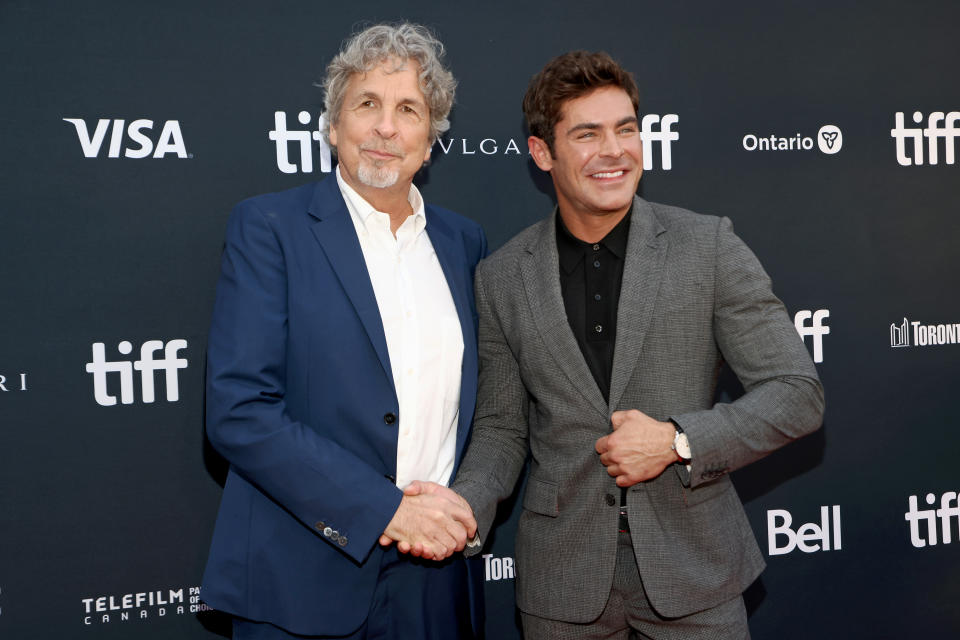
{"x": 342, "y": 367}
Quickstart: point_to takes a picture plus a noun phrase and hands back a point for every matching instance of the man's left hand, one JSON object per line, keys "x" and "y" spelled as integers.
{"x": 639, "y": 448}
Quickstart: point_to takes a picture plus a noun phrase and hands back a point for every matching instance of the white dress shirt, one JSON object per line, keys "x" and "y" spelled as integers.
{"x": 423, "y": 334}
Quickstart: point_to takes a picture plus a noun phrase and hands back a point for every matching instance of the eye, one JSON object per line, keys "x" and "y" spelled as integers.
{"x": 408, "y": 110}
{"x": 584, "y": 135}
{"x": 367, "y": 104}
{"x": 628, "y": 130}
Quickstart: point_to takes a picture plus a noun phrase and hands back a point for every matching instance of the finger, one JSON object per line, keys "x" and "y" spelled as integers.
{"x": 614, "y": 470}
{"x": 403, "y": 546}
{"x": 618, "y": 417}
{"x": 601, "y": 445}
{"x": 415, "y": 488}
{"x": 385, "y": 540}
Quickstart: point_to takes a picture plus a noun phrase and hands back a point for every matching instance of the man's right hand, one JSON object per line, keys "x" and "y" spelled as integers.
{"x": 431, "y": 522}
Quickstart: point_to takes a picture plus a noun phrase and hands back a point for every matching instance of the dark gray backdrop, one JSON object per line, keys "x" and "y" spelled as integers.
{"x": 102, "y": 502}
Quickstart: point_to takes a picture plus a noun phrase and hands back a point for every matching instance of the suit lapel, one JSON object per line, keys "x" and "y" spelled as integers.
{"x": 540, "y": 270}
{"x": 337, "y": 236}
{"x": 642, "y": 275}
{"x": 450, "y": 255}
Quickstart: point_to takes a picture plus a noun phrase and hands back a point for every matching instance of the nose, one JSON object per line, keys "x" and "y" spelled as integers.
{"x": 386, "y": 126}
{"x": 611, "y": 146}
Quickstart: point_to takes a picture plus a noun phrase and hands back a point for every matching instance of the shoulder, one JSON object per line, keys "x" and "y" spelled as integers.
{"x": 504, "y": 260}
{"x": 277, "y": 204}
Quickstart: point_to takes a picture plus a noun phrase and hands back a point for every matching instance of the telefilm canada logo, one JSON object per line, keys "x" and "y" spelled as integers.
{"x": 829, "y": 140}
{"x": 147, "y": 364}
{"x": 920, "y": 334}
{"x": 136, "y": 140}
{"x": 142, "y": 605}
{"x": 299, "y": 150}
{"x": 909, "y": 140}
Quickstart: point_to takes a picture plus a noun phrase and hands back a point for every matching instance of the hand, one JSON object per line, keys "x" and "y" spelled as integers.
{"x": 432, "y": 522}
{"x": 639, "y": 448}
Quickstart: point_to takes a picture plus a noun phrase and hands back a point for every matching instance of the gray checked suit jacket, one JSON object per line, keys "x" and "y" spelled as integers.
{"x": 693, "y": 294}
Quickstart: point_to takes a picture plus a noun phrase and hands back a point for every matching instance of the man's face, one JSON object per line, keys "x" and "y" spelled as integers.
{"x": 382, "y": 133}
{"x": 597, "y": 158}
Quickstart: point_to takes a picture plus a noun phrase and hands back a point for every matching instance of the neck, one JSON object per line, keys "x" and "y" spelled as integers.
{"x": 393, "y": 201}
{"x": 590, "y": 227}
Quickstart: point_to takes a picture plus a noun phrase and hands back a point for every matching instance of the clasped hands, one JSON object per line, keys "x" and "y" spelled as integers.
{"x": 639, "y": 448}
{"x": 431, "y": 522}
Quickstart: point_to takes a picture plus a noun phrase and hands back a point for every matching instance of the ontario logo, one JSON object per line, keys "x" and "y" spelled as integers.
{"x": 829, "y": 140}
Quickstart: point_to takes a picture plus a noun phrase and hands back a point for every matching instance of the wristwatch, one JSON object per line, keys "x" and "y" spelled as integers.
{"x": 681, "y": 444}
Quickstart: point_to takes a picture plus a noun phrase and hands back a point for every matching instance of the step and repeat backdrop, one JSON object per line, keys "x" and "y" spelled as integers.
{"x": 828, "y": 132}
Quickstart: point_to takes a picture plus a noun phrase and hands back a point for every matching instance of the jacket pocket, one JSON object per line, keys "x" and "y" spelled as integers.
{"x": 541, "y": 497}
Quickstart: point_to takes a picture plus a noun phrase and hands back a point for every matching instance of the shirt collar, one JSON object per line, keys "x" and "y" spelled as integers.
{"x": 361, "y": 210}
{"x": 571, "y": 249}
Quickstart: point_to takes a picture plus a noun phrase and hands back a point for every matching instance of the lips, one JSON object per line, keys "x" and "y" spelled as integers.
{"x": 602, "y": 175}
{"x": 379, "y": 152}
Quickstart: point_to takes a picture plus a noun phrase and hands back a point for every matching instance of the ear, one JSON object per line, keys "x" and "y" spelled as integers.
{"x": 540, "y": 153}
{"x": 333, "y": 135}
{"x": 426, "y": 154}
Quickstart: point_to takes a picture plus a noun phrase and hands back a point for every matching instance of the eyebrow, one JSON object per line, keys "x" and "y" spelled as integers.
{"x": 595, "y": 125}
{"x": 368, "y": 95}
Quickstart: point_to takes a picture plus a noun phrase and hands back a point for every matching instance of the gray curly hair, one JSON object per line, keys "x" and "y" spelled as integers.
{"x": 400, "y": 43}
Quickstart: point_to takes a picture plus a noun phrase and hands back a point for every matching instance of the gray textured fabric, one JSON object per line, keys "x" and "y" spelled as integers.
{"x": 692, "y": 293}
{"x": 628, "y": 614}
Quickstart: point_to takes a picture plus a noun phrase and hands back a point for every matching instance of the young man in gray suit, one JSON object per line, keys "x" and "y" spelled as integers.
{"x": 601, "y": 330}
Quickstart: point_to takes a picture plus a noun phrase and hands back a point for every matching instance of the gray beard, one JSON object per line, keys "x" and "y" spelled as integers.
{"x": 377, "y": 177}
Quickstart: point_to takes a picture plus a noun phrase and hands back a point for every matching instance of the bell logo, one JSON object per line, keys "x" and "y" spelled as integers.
{"x": 170, "y": 139}
{"x": 99, "y": 366}
{"x": 283, "y": 137}
{"x": 778, "y": 525}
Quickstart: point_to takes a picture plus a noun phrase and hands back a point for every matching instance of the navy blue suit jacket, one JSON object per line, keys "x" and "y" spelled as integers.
{"x": 299, "y": 392}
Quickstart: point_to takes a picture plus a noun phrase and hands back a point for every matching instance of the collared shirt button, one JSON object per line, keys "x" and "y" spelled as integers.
{"x": 609, "y": 499}
{"x": 596, "y": 247}
{"x": 596, "y": 263}
{"x": 598, "y": 328}
{"x": 390, "y": 418}
{"x": 597, "y": 297}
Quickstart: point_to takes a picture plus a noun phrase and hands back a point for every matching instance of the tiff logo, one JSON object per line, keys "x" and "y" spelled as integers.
{"x": 147, "y": 365}
{"x": 663, "y": 135}
{"x": 284, "y": 137}
{"x": 945, "y": 513}
{"x": 779, "y": 523}
{"x": 14, "y": 384}
{"x": 816, "y": 329}
{"x": 939, "y": 125}
{"x": 170, "y": 139}
{"x": 900, "y": 335}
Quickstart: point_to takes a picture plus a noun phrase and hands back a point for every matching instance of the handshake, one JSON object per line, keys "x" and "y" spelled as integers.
{"x": 431, "y": 522}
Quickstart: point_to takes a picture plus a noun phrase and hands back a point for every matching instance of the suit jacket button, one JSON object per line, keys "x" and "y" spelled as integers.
{"x": 327, "y": 531}
{"x": 390, "y": 418}
{"x": 319, "y": 526}
{"x": 609, "y": 499}
{"x": 342, "y": 541}
{"x": 335, "y": 536}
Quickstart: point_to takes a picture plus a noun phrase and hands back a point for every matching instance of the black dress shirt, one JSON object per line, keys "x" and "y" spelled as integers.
{"x": 590, "y": 278}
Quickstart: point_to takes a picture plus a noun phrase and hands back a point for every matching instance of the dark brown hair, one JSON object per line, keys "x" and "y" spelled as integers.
{"x": 570, "y": 76}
